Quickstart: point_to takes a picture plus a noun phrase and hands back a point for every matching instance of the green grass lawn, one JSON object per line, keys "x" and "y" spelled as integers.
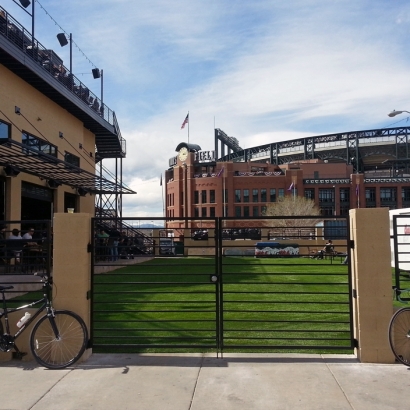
{"x": 272, "y": 304}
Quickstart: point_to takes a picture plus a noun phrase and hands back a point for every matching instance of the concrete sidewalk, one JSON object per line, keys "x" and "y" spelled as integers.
{"x": 204, "y": 382}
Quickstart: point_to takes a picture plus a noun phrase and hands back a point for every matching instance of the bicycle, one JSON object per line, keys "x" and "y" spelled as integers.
{"x": 58, "y": 339}
{"x": 399, "y": 330}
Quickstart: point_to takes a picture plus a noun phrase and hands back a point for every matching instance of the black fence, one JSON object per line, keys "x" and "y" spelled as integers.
{"x": 25, "y": 247}
{"x": 214, "y": 293}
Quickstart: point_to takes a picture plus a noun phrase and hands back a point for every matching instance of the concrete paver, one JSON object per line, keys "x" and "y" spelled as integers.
{"x": 199, "y": 382}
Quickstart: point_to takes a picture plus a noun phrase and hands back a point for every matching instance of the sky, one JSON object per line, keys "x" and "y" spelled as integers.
{"x": 260, "y": 70}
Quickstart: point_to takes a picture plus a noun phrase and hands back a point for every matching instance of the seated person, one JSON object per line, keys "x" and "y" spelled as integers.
{"x": 15, "y": 234}
{"x": 29, "y": 235}
{"x": 328, "y": 249}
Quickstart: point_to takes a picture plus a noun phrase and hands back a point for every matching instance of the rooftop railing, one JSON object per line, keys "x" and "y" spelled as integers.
{"x": 51, "y": 63}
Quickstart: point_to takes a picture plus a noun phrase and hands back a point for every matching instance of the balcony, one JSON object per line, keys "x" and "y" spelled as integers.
{"x": 44, "y": 70}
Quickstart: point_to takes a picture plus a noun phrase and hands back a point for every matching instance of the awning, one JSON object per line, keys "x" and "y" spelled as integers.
{"x": 17, "y": 157}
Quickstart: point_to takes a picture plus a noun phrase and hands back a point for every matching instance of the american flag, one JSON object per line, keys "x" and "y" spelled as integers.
{"x": 185, "y": 121}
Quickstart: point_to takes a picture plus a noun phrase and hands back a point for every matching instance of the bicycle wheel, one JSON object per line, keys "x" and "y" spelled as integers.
{"x": 399, "y": 335}
{"x": 62, "y": 351}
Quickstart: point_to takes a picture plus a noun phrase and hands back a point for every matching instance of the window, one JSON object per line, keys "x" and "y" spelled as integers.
{"x": 344, "y": 195}
{"x": 196, "y": 212}
{"x": 255, "y": 211}
{"x": 226, "y": 211}
{"x": 246, "y": 211}
{"x": 263, "y": 195}
{"x": 38, "y": 144}
{"x": 212, "y": 196}
{"x": 370, "y": 194}
{"x": 196, "y": 197}
{"x": 281, "y": 192}
{"x": 405, "y": 194}
{"x": 273, "y": 194}
{"x": 238, "y": 211}
{"x": 237, "y": 195}
{"x": 203, "y": 197}
{"x": 388, "y": 195}
{"x": 203, "y": 212}
{"x": 212, "y": 211}
{"x": 310, "y": 194}
{"x": 246, "y": 195}
{"x": 71, "y": 159}
{"x": 4, "y": 130}
{"x": 263, "y": 210}
{"x": 326, "y": 195}
{"x": 255, "y": 195}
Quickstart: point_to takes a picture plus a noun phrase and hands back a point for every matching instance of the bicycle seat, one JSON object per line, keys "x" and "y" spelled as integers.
{"x": 6, "y": 287}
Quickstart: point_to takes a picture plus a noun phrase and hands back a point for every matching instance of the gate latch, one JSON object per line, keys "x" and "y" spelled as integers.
{"x": 214, "y": 278}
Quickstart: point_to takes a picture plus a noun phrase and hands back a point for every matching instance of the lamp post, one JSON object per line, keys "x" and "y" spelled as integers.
{"x": 62, "y": 39}
{"x": 23, "y": 5}
{"x": 394, "y": 113}
{"x": 97, "y": 73}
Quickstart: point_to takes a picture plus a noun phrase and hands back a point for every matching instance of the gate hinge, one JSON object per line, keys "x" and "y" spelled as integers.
{"x": 354, "y": 293}
{"x": 88, "y": 294}
{"x": 89, "y": 248}
{"x": 351, "y": 244}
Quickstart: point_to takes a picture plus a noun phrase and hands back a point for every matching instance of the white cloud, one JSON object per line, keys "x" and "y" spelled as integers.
{"x": 262, "y": 71}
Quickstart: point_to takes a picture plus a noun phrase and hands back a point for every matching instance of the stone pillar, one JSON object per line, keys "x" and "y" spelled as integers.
{"x": 72, "y": 265}
{"x": 372, "y": 282}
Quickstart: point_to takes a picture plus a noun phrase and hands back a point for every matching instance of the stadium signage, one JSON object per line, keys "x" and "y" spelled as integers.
{"x": 204, "y": 156}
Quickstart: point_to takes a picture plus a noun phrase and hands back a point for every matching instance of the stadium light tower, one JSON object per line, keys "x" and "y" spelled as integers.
{"x": 394, "y": 113}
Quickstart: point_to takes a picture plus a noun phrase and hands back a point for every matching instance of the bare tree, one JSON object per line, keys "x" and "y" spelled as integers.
{"x": 287, "y": 207}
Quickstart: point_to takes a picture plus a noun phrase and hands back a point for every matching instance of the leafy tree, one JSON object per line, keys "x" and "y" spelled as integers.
{"x": 285, "y": 225}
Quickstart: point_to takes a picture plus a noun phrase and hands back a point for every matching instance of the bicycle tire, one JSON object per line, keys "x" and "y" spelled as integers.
{"x": 58, "y": 353}
{"x": 399, "y": 335}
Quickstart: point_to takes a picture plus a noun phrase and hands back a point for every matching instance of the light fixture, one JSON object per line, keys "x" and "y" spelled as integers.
{"x": 61, "y": 135}
{"x": 62, "y": 39}
{"x": 11, "y": 171}
{"x": 53, "y": 184}
{"x": 96, "y": 73}
{"x": 394, "y": 113}
{"x": 25, "y": 3}
{"x": 82, "y": 191}
{"x": 80, "y": 145}
{"x": 17, "y": 110}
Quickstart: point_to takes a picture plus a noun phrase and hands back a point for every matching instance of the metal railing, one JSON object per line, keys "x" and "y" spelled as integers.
{"x": 51, "y": 63}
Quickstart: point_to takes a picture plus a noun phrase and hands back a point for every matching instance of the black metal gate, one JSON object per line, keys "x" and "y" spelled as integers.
{"x": 219, "y": 284}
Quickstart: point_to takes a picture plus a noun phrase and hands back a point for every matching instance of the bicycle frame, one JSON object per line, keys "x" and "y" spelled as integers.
{"x": 46, "y": 305}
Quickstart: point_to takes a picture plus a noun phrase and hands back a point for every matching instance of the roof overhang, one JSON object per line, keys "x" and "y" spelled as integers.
{"x": 188, "y": 146}
{"x": 47, "y": 167}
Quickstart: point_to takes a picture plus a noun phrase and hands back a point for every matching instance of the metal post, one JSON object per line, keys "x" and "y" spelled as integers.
{"x": 71, "y": 54}
{"x": 102, "y": 87}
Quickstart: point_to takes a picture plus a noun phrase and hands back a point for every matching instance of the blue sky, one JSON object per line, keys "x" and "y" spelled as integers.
{"x": 261, "y": 70}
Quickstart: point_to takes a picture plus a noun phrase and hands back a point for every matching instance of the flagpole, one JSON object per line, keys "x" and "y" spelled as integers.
{"x": 189, "y": 120}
